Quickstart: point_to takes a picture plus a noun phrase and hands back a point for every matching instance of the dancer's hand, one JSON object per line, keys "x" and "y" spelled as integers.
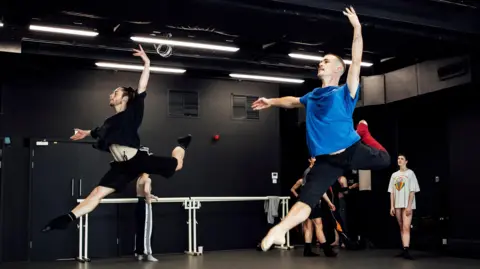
{"x": 392, "y": 211}
{"x": 261, "y": 103}
{"x": 408, "y": 211}
{"x": 140, "y": 53}
{"x": 79, "y": 134}
{"x": 352, "y": 16}
{"x": 332, "y": 207}
{"x": 151, "y": 198}
{"x": 353, "y": 186}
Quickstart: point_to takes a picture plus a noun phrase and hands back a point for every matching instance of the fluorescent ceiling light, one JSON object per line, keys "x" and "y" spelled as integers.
{"x": 62, "y": 30}
{"x": 265, "y": 78}
{"x": 182, "y": 43}
{"x": 319, "y": 58}
{"x": 140, "y": 68}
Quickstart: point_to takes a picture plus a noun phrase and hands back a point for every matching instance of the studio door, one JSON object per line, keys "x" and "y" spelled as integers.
{"x": 53, "y": 192}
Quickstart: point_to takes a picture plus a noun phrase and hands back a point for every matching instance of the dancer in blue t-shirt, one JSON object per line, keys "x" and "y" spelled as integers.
{"x": 331, "y": 138}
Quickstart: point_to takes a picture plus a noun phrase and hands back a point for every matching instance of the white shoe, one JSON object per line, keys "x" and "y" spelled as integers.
{"x": 274, "y": 237}
{"x": 139, "y": 257}
{"x": 150, "y": 258}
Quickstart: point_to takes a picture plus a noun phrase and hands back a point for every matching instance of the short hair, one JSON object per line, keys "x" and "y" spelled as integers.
{"x": 403, "y": 155}
{"x": 130, "y": 92}
{"x": 344, "y": 66}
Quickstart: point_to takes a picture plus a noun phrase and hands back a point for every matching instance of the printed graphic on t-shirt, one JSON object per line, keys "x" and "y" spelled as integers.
{"x": 400, "y": 182}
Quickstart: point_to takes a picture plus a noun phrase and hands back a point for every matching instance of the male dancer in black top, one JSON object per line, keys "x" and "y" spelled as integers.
{"x": 119, "y": 136}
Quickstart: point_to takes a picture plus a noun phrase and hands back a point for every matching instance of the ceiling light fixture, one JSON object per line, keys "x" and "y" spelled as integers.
{"x": 62, "y": 30}
{"x": 265, "y": 78}
{"x": 319, "y": 58}
{"x": 140, "y": 68}
{"x": 183, "y": 43}
{"x": 1, "y": 24}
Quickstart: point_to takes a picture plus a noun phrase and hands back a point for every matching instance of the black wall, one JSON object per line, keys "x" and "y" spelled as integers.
{"x": 439, "y": 134}
{"x": 47, "y": 98}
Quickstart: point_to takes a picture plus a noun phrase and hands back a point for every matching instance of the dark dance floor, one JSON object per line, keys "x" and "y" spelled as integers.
{"x": 251, "y": 259}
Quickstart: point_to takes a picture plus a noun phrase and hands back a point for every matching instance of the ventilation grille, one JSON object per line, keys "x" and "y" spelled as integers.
{"x": 242, "y": 107}
{"x": 183, "y": 104}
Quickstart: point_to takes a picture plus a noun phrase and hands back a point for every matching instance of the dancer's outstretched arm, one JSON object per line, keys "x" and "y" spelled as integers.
{"x": 142, "y": 84}
{"x": 353, "y": 77}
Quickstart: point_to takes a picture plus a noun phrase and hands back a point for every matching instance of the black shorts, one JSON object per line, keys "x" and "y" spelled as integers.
{"x": 328, "y": 168}
{"x": 122, "y": 173}
{"x": 317, "y": 211}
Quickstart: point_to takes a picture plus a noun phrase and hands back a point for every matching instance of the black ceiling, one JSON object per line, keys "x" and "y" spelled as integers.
{"x": 265, "y": 30}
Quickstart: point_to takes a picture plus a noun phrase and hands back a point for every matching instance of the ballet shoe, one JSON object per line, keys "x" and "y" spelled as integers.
{"x": 272, "y": 238}
{"x": 259, "y": 247}
{"x": 59, "y": 223}
{"x": 328, "y": 250}
{"x": 307, "y": 251}
{"x": 150, "y": 258}
{"x": 184, "y": 141}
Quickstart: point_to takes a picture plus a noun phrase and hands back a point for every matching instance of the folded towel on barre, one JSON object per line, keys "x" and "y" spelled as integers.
{"x": 271, "y": 208}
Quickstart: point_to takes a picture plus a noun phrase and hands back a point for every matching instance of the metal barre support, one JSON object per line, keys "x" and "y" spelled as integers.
{"x": 83, "y": 253}
{"x": 284, "y": 202}
{"x": 191, "y": 204}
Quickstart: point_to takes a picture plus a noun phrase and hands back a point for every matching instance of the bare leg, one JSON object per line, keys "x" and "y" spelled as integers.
{"x": 298, "y": 213}
{"x": 85, "y": 207}
{"x": 92, "y": 201}
{"x": 319, "y": 231}
{"x": 337, "y": 238}
{"x": 178, "y": 153}
{"x": 404, "y": 225}
{"x": 399, "y": 216}
{"x": 407, "y": 221}
{"x": 308, "y": 231}
{"x": 308, "y": 234}
{"x": 327, "y": 249}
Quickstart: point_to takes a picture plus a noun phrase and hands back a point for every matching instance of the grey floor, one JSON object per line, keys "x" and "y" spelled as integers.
{"x": 276, "y": 259}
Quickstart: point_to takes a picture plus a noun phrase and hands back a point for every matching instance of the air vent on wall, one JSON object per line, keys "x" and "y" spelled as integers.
{"x": 183, "y": 104}
{"x": 242, "y": 107}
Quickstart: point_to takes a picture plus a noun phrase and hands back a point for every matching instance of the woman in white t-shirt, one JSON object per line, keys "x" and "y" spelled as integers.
{"x": 402, "y": 188}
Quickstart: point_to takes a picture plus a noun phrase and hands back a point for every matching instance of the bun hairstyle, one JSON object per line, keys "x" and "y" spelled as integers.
{"x": 130, "y": 92}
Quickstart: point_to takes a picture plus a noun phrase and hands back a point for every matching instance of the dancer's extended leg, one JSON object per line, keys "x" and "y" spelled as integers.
{"x": 320, "y": 178}
{"x": 367, "y": 139}
{"x": 369, "y": 154}
{"x": 85, "y": 207}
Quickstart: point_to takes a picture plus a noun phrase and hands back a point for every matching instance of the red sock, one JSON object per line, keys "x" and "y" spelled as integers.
{"x": 364, "y": 133}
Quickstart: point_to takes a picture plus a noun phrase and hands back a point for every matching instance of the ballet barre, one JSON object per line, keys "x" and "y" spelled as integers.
{"x": 195, "y": 203}
{"x": 192, "y": 204}
{"x": 83, "y": 236}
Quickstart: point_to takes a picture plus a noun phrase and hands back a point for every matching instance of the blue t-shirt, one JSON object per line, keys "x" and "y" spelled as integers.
{"x": 329, "y": 120}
